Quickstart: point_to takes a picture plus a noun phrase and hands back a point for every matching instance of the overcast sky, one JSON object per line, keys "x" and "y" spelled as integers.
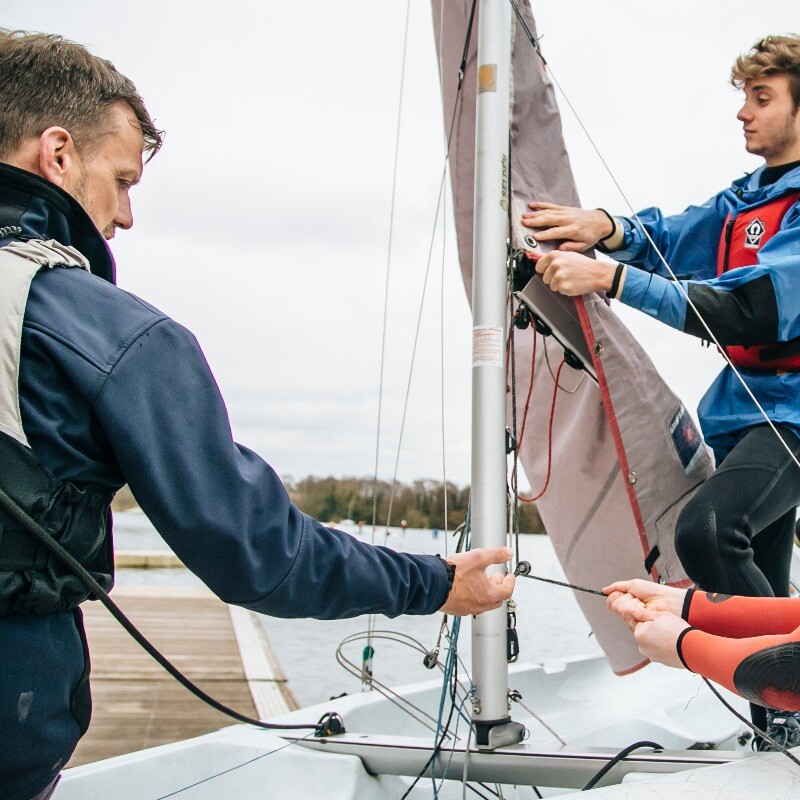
{"x": 263, "y": 224}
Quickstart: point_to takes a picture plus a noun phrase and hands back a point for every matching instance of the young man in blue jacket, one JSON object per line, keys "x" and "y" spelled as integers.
{"x": 740, "y": 251}
{"x": 98, "y": 388}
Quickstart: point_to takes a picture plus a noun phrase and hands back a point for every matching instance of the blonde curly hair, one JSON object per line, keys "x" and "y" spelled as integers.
{"x": 772, "y": 55}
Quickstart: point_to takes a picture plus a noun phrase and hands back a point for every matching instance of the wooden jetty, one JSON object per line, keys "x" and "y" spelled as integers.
{"x": 137, "y": 704}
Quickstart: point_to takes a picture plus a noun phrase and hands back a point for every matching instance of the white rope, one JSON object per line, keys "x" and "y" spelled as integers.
{"x": 518, "y": 700}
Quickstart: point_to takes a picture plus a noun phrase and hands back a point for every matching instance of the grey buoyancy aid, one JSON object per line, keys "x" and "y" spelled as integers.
{"x": 32, "y": 581}
{"x": 742, "y": 238}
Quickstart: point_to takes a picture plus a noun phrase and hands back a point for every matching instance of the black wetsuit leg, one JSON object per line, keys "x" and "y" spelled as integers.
{"x": 735, "y": 535}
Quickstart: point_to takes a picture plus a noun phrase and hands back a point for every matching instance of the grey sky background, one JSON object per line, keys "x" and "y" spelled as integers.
{"x": 263, "y": 224}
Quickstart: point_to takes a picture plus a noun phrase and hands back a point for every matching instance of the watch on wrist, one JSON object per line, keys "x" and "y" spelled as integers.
{"x": 451, "y": 572}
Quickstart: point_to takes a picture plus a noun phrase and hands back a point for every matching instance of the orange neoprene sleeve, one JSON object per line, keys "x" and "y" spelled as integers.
{"x": 741, "y": 617}
{"x": 763, "y": 669}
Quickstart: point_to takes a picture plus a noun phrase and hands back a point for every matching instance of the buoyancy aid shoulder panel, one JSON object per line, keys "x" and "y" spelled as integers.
{"x": 742, "y": 238}
{"x": 32, "y": 581}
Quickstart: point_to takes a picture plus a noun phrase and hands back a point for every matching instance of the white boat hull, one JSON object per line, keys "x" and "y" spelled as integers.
{"x": 595, "y": 713}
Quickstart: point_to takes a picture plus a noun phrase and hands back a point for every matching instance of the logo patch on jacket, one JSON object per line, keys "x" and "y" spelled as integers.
{"x": 754, "y": 233}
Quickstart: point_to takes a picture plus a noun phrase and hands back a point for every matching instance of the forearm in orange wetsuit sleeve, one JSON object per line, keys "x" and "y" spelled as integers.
{"x": 763, "y": 669}
{"x": 741, "y": 617}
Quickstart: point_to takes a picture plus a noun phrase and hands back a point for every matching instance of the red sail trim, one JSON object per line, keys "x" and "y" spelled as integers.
{"x": 586, "y": 326}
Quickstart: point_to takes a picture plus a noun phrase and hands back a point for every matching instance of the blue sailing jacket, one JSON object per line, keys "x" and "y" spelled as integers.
{"x": 113, "y": 391}
{"x": 750, "y": 305}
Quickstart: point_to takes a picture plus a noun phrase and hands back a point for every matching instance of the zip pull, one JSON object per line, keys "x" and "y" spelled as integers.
{"x": 728, "y": 235}
{"x": 729, "y": 230}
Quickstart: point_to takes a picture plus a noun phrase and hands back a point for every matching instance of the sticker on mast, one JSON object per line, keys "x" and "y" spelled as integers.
{"x": 487, "y": 346}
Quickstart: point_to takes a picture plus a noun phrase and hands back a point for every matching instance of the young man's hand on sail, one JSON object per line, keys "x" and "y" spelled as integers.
{"x": 573, "y": 274}
{"x": 577, "y": 229}
{"x": 474, "y": 591}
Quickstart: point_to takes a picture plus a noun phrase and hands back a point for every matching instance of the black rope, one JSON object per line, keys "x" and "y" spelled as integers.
{"x": 481, "y": 794}
{"x": 749, "y": 724}
{"x": 48, "y": 542}
{"x": 462, "y": 67}
{"x": 617, "y": 758}
{"x": 531, "y": 38}
{"x": 523, "y": 571}
{"x": 742, "y": 718}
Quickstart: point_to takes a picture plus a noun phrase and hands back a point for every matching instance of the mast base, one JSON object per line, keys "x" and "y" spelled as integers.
{"x": 491, "y": 734}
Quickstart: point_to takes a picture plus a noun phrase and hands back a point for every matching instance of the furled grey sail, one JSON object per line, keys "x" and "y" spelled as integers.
{"x": 624, "y": 455}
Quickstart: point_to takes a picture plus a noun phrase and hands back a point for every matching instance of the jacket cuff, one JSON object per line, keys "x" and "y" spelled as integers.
{"x": 615, "y": 239}
{"x": 619, "y": 282}
{"x": 444, "y": 583}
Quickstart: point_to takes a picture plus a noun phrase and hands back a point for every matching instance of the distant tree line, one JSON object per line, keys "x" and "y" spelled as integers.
{"x": 421, "y": 504}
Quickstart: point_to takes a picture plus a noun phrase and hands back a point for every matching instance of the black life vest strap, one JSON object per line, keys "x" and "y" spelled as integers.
{"x": 32, "y": 579}
{"x": 18, "y": 549}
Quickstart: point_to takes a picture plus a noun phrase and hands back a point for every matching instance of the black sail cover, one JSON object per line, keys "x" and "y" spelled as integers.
{"x": 624, "y": 456}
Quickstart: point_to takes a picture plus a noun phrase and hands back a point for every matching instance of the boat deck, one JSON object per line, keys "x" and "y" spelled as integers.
{"x": 137, "y": 704}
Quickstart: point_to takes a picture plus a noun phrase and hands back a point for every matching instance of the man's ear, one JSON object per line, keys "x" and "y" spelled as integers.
{"x": 57, "y": 157}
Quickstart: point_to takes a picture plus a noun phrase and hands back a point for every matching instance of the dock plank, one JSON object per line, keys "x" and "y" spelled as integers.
{"x": 138, "y": 705}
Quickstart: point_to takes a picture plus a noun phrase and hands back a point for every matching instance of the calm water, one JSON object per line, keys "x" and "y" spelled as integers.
{"x": 549, "y": 622}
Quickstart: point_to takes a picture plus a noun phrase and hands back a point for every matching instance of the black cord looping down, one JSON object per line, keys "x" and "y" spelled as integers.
{"x": 329, "y": 724}
{"x": 617, "y": 758}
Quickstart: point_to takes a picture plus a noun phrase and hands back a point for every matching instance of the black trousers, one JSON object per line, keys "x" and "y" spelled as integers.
{"x": 735, "y": 535}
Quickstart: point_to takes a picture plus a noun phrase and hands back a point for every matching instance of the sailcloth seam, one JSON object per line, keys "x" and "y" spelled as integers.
{"x": 586, "y": 326}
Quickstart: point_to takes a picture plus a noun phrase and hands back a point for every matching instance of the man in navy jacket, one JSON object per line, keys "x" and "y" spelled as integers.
{"x": 110, "y": 390}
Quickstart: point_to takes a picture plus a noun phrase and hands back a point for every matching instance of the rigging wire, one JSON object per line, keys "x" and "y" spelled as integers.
{"x": 451, "y": 129}
{"x": 442, "y": 314}
{"x": 365, "y": 678}
{"x": 516, "y": 697}
{"x": 437, "y": 216}
{"x": 749, "y": 724}
{"x": 234, "y": 769}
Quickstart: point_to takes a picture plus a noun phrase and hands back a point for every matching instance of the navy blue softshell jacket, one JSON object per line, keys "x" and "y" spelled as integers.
{"x": 113, "y": 391}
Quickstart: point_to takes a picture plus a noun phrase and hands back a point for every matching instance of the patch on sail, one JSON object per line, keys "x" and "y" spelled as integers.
{"x": 686, "y": 438}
